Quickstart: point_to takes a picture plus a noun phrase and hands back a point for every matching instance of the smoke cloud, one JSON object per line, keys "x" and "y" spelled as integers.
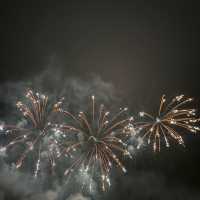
{"x": 15, "y": 185}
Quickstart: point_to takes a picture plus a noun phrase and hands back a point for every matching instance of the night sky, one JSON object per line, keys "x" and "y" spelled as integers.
{"x": 143, "y": 49}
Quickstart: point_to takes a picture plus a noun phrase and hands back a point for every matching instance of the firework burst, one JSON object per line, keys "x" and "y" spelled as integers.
{"x": 170, "y": 119}
{"x": 98, "y": 138}
{"x": 36, "y": 138}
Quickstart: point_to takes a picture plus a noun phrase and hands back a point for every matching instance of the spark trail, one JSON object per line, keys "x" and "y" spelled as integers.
{"x": 171, "y": 118}
{"x": 98, "y": 139}
{"x": 37, "y": 137}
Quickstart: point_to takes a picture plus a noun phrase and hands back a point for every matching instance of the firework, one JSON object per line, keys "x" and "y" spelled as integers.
{"x": 171, "y": 118}
{"x": 98, "y": 139}
{"x": 36, "y": 137}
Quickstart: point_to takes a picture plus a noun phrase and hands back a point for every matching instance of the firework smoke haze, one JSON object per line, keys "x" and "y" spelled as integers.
{"x": 74, "y": 91}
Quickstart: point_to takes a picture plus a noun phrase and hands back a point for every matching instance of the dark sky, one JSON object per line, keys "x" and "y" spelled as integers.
{"x": 140, "y": 47}
{"x": 143, "y": 48}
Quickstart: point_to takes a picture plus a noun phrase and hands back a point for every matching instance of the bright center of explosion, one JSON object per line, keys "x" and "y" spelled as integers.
{"x": 158, "y": 120}
{"x": 93, "y": 139}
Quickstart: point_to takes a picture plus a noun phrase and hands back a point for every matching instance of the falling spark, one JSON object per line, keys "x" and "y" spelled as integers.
{"x": 170, "y": 119}
{"x": 36, "y": 111}
{"x": 102, "y": 139}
